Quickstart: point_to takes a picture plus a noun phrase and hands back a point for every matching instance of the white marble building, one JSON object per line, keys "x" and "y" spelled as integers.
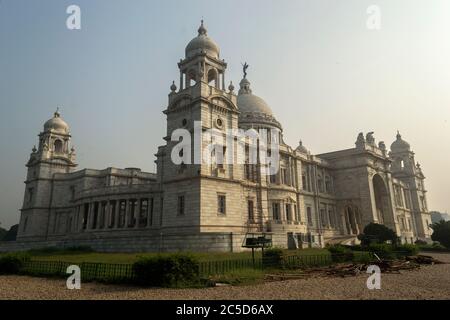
{"x": 312, "y": 200}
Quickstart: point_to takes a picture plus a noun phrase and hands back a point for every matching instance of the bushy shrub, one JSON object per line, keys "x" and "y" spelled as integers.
{"x": 60, "y": 251}
{"x": 407, "y": 249}
{"x": 84, "y": 249}
{"x": 441, "y": 233}
{"x": 356, "y": 247}
{"x": 382, "y": 250}
{"x": 43, "y": 251}
{"x": 273, "y": 258}
{"x": 12, "y": 263}
{"x": 340, "y": 253}
{"x": 377, "y": 233}
{"x": 175, "y": 270}
{"x": 437, "y": 245}
{"x": 420, "y": 243}
{"x": 362, "y": 257}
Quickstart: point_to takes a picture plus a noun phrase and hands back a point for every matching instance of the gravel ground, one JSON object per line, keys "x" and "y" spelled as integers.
{"x": 430, "y": 282}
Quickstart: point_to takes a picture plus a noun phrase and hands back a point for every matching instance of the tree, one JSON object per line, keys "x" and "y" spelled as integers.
{"x": 377, "y": 233}
{"x": 2, "y": 233}
{"x": 441, "y": 233}
{"x": 11, "y": 234}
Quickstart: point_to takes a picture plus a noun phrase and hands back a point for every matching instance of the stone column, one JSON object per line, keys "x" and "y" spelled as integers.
{"x": 137, "y": 213}
{"x": 223, "y": 81}
{"x": 89, "y": 217}
{"x": 344, "y": 223}
{"x": 77, "y": 221}
{"x": 347, "y": 222}
{"x": 107, "y": 215}
{"x": 181, "y": 80}
{"x": 127, "y": 213}
{"x": 116, "y": 215}
{"x": 328, "y": 216}
{"x": 150, "y": 212}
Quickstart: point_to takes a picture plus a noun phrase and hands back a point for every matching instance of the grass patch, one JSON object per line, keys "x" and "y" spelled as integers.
{"x": 308, "y": 251}
{"x": 129, "y": 258}
{"x": 75, "y": 256}
{"x": 240, "y": 277}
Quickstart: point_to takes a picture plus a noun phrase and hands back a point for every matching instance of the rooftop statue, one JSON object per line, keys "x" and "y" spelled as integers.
{"x": 245, "y": 67}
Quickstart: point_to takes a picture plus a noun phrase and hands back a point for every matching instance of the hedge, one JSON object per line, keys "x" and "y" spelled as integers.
{"x": 340, "y": 253}
{"x": 176, "y": 270}
{"x": 273, "y": 258}
{"x": 12, "y": 263}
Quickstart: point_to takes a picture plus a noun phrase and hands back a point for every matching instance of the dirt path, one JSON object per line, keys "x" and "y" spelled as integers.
{"x": 430, "y": 282}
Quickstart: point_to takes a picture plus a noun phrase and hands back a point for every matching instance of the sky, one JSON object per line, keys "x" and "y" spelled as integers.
{"x": 325, "y": 75}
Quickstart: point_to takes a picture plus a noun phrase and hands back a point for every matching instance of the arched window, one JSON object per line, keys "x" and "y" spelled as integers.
{"x": 212, "y": 76}
{"x": 328, "y": 186}
{"x": 320, "y": 183}
{"x": 58, "y": 146}
{"x": 191, "y": 78}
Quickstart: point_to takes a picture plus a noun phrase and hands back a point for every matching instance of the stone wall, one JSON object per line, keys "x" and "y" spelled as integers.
{"x": 202, "y": 242}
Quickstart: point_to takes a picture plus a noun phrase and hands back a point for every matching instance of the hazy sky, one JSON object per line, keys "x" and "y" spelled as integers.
{"x": 325, "y": 75}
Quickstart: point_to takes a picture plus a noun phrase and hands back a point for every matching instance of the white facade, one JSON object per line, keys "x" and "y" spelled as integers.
{"x": 312, "y": 200}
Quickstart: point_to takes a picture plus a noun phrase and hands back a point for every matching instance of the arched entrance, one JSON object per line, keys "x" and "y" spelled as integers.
{"x": 381, "y": 199}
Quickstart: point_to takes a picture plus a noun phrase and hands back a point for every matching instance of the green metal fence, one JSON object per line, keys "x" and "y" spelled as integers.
{"x": 305, "y": 261}
{"x": 208, "y": 268}
{"x": 89, "y": 271}
{"x": 125, "y": 273}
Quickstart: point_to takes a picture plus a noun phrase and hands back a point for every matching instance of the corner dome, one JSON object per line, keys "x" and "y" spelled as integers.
{"x": 202, "y": 44}
{"x": 301, "y": 148}
{"x": 249, "y": 103}
{"x": 400, "y": 145}
{"x": 56, "y": 124}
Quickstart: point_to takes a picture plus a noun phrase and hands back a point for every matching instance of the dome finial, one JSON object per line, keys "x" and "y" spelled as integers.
{"x": 202, "y": 30}
{"x": 173, "y": 87}
{"x": 231, "y": 87}
{"x": 57, "y": 114}
{"x": 399, "y": 136}
{"x": 244, "y": 68}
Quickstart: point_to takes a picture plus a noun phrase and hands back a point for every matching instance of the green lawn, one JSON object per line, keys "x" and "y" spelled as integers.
{"x": 128, "y": 258}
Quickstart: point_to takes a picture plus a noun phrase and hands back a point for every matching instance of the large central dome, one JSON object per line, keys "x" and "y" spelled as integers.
{"x": 202, "y": 44}
{"x": 250, "y": 103}
{"x": 255, "y": 112}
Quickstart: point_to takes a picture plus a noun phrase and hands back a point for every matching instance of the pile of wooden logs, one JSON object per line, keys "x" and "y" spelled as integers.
{"x": 352, "y": 269}
{"x": 420, "y": 259}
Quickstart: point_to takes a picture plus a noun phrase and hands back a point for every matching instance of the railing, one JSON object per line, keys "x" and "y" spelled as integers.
{"x": 89, "y": 271}
{"x": 208, "y": 268}
{"x": 305, "y": 261}
{"x": 125, "y": 273}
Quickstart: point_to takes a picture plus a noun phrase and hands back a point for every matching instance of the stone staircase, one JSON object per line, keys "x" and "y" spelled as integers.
{"x": 344, "y": 240}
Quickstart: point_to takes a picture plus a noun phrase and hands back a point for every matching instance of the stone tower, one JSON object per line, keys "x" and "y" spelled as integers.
{"x": 54, "y": 155}
{"x": 199, "y": 106}
{"x": 405, "y": 168}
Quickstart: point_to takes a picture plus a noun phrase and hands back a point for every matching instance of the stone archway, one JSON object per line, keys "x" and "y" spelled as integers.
{"x": 381, "y": 199}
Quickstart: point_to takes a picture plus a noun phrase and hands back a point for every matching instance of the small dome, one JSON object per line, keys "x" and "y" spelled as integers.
{"x": 249, "y": 103}
{"x": 301, "y": 148}
{"x": 400, "y": 145}
{"x": 202, "y": 43}
{"x": 56, "y": 124}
